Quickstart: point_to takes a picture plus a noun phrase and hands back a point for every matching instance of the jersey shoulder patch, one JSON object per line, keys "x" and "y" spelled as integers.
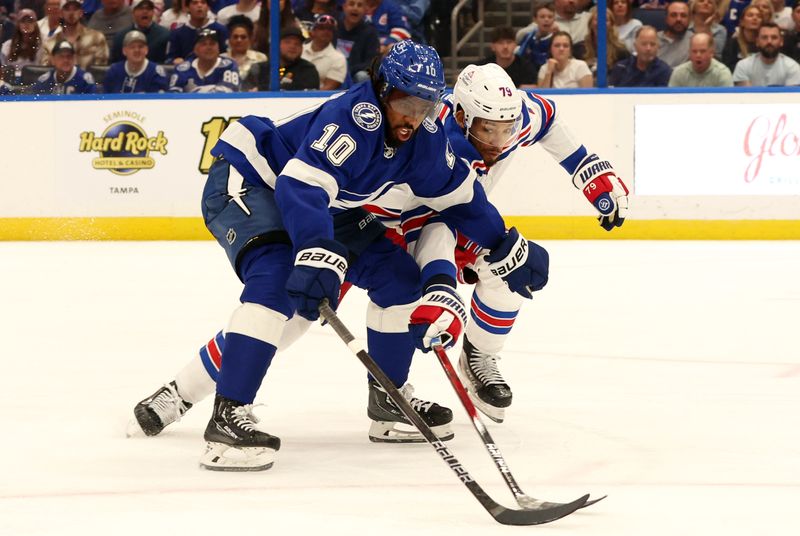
{"x": 225, "y": 62}
{"x": 160, "y": 71}
{"x": 88, "y": 78}
{"x": 367, "y": 116}
{"x": 185, "y": 66}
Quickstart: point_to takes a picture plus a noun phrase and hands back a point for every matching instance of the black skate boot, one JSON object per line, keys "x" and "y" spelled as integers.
{"x": 233, "y": 442}
{"x": 158, "y": 411}
{"x": 488, "y": 390}
{"x": 385, "y": 416}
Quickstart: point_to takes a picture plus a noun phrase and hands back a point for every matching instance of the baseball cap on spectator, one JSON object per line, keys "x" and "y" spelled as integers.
{"x": 292, "y": 31}
{"x": 134, "y": 35}
{"x": 208, "y": 33}
{"x": 65, "y": 2}
{"x": 139, "y": 3}
{"x": 63, "y": 46}
{"x": 26, "y": 13}
{"x": 327, "y": 21}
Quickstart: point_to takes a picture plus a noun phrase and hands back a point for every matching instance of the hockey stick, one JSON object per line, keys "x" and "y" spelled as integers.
{"x": 542, "y": 512}
{"x": 524, "y": 500}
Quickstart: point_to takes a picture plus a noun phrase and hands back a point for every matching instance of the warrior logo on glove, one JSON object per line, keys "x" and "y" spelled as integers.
{"x": 603, "y": 189}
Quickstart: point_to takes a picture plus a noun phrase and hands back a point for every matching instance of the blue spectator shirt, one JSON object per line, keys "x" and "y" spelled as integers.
{"x": 79, "y": 81}
{"x": 626, "y": 74}
{"x": 151, "y": 79}
{"x": 4, "y": 90}
{"x": 732, "y": 15}
{"x": 181, "y": 40}
{"x": 534, "y": 48}
{"x": 223, "y": 78}
{"x": 390, "y": 22}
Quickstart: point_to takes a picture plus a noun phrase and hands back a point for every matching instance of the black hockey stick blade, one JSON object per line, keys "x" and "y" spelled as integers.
{"x": 593, "y": 501}
{"x": 536, "y": 514}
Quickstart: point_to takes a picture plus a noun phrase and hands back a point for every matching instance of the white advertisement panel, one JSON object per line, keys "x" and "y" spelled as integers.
{"x": 119, "y": 158}
{"x": 717, "y": 149}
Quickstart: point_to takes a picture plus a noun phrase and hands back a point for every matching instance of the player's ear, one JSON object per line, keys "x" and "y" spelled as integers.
{"x": 459, "y": 115}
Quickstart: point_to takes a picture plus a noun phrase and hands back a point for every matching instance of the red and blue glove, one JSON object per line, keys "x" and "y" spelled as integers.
{"x": 318, "y": 273}
{"x": 523, "y": 265}
{"x": 603, "y": 189}
{"x": 440, "y": 313}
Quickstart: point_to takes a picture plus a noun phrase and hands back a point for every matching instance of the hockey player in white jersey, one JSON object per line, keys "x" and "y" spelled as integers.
{"x": 269, "y": 201}
{"x": 488, "y": 120}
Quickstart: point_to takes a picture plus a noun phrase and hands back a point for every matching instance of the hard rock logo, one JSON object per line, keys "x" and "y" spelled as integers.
{"x": 124, "y": 148}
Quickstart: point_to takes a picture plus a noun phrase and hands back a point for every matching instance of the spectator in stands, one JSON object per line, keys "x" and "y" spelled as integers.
{"x": 50, "y": 24}
{"x": 702, "y": 19}
{"x": 208, "y": 72}
{"x": 136, "y": 73}
{"x": 535, "y": 46}
{"x": 182, "y": 40}
{"x": 765, "y": 6}
{"x": 769, "y": 67}
{"x": 25, "y": 46}
{"x": 357, "y": 39}
{"x": 331, "y": 64}
{"x": 615, "y": 49}
{"x": 782, "y": 15}
{"x": 144, "y": 21}
{"x": 730, "y": 12}
{"x": 310, "y": 10}
{"x": 562, "y": 70}
{"x": 295, "y": 72}
{"x": 644, "y": 69}
{"x": 263, "y": 24}
{"x": 673, "y": 43}
{"x": 114, "y": 17}
{"x": 389, "y": 20}
{"x": 5, "y": 89}
{"x": 791, "y": 39}
{"x": 624, "y": 22}
{"x": 90, "y": 45}
{"x": 521, "y": 71}
{"x": 241, "y": 30}
{"x": 570, "y": 20}
{"x": 66, "y": 78}
{"x": 415, "y": 12}
{"x": 743, "y": 43}
{"x": 177, "y": 15}
{"x": 702, "y": 69}
{"x": 249, "y": 8}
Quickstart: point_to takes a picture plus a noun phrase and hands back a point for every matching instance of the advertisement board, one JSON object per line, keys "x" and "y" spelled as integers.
{"x": 717, "y": 149}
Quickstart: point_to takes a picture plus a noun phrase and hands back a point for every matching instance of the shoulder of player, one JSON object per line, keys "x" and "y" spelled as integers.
{"x": 357, "y": 115}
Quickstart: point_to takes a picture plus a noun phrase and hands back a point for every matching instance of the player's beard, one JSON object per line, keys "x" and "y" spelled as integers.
{"x": 392, "y": 138}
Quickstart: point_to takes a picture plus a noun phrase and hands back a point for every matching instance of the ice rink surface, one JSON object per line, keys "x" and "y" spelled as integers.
{"x": 664, "y": 374}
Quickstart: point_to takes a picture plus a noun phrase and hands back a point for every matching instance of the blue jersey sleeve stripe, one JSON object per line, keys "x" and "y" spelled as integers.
{"x": 438, "y": 267}
{"x": 571, "y": 163}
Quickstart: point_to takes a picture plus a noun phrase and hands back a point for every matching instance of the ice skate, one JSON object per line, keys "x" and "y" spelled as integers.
{"x": 233, "y": 442}
{"x": 488, "y": 390}
{"x": 158, "y": 411}
{"x": 386, "y": 417}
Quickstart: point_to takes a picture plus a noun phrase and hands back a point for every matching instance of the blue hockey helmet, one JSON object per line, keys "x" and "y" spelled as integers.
{"x": 413, "y": 69}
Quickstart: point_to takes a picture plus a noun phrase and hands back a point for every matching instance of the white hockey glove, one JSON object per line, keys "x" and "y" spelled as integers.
{"x": 603, "y": 189}
{"x": 441, "y": 313}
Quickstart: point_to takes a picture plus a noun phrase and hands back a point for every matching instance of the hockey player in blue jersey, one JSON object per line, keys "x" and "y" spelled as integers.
{"x": 280, "y": 200}
{"x": 135, "y": 74}
{"x": 491, "y": 121}
{"x": 66, "y": 78}
{"x": 208, "y": 72}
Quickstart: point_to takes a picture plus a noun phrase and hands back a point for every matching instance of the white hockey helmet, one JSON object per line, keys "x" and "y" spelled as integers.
{"x": 487, "y": 92}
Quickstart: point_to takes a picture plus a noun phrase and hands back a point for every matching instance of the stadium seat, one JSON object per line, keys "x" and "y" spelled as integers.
{"x": 31, "y": 73}
{"x": 98, "y": 72}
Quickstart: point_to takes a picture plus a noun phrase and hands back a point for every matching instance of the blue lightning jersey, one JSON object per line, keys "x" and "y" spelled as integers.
{"x": 151, "y": 79}
{"x": 222, "y": 78}
{"x": 79, "y": 81}
{"x": 334, "y": 157}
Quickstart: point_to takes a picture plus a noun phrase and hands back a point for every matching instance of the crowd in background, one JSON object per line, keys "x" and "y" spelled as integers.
{"x": 136, "y": 46}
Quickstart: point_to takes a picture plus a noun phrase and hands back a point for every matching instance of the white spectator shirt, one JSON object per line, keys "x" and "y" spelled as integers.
{"x": 627, "y": 32}
{"x": 577, "y": 27}
{"x": 224, "y": 15}
{"x": 568, "y": 78}
{"x": 783, "y": 19}
{"x": 783, "y": 72}
{"x": 330, "y": 63}
{"x": 44, "y": 28}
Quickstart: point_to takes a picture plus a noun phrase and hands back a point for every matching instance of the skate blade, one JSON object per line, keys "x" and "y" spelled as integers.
{"x": 394, "y": 432}
{"x": 221, "y": 457}
{"x": 496, "y": 414}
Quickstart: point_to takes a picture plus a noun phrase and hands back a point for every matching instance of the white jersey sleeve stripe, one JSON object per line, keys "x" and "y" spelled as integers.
{"x": 308, "y": 174}
{"x": 239, "y": 137}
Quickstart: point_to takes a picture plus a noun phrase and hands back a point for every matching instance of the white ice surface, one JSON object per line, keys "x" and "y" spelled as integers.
{"x": 664, "y": 374}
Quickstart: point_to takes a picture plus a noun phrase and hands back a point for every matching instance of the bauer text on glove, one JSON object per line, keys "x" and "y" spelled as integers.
{"x": 522, "y": 264}
{"x": 318, "y": 272}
